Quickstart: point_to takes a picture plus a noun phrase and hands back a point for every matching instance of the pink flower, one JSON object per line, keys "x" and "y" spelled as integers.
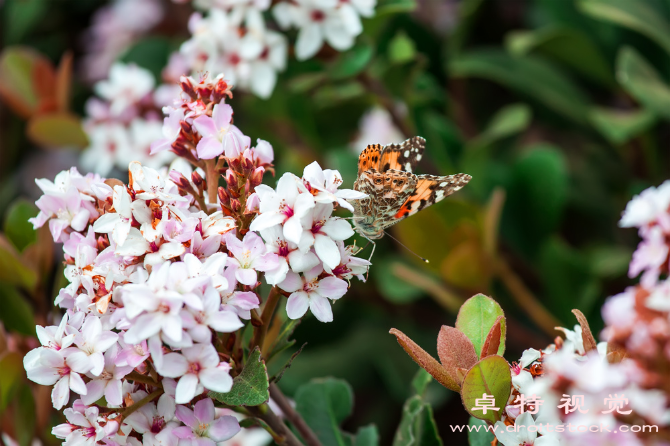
{"x": 201, "y": 427}
{"x": 321, "y": 230}
{"x": 92, "y": 342}
{"x": 241, "y": 302}
{"x": 648, "y": 207}
{"x": 196, "y": 365}
{"x": 650, "y": 256}
{"x": 48, "y": 367}
{"x": 109, "y": 383}
{"x": 132, "y": 355}
{"x": 249, "y": 256}
{"x": 82, "y": 428}
{"x": 61, "y": 212}
{"x": 218, "y": 133}
{"x": 288, "y": 254}
{"x": 156, "y": 422}
{"x": 311, "y": 292}
{"x": 171, "y": 129}
{"x": 198, "y": 323}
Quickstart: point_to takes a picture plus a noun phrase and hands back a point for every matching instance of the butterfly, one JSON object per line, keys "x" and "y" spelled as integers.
{"x": 394, "y": 192}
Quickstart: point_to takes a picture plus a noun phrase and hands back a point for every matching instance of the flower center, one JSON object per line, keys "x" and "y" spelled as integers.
{"x": 194, "y": 368}
{"x": 283, "y": 248}
{"x": 245, "y": 261}
{"x": 201, "y": 430}
{"x": 316, "y": 227}
{"x": 64, "y": 371}
{"x": 318, "y": 16}
{"x": 88, "y": 432}
{"x": 157, "y": 425}
{"x": 311, "y": 285}
{"x": 285, "y": 209}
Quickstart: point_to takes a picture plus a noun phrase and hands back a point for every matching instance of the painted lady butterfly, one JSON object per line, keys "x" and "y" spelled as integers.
{"x": 394, "y": 192}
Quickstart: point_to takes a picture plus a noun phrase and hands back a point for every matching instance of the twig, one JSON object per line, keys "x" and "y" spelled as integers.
{"x": 524, "y": 298}
{"x": 142, "y": 379}
{"x": 436, "y": 290}
{"x": 266, "y": 318}
{"x": 142, "y": 402}
{"x": 212, "y": 178}
{"x": 294, "y": 417}
{"x": 285, "y": 436}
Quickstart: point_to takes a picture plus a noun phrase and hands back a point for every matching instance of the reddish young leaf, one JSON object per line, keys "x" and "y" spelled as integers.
{"x": 587, "y": 337}
{"x": 615, "y": 353}
{"x": 492, "y": 342}
{"x": 63, "y": 81}
{"x": 44, "y": 83}
{"x": 425, "y": 361}
{"x": 455, "y": 351}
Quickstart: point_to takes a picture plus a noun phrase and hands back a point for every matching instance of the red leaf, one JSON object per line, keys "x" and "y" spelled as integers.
{"x": 587, "y": 337}
{"x": 455, "y": 351}
{"x": 492, "y": 342}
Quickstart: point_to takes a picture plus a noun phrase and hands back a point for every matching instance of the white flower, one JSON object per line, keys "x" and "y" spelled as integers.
{"x": 92, "y": 342}
{"x": 149, "y": 185}
{"x": 249, "y": 256}
{"x": 321, "y": 230}
{"x": 324, "y": 186}
{"x": 127, "y": 85}
{"x": 106, "y": 139}
{"x": 286, "y": 206}
{"x": 82, "y": 429}
{"x": 319, "y": 20}
{"x": 196, "y": 365}
{"x": 310, "y": 292}
{"x": 287, "y": 253}
{"x": 521, "y": 435}
{"x": 376, "y": 125}
{"x": 651, "y": 205}
{"x": 48, "y": 367}
{"x": 119, "y": 222}
{"x": 155, "y": 422}
{"x": 199, "y": 322}
{"x": 109, "y": 383}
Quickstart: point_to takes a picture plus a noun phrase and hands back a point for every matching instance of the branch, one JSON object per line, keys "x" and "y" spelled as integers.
{"x": 142, "y": 402}
{"x": 266, "y": 318}
{"x": 142, "y": 379}
{"x": 524, "y": 298}
{"x": 294, "y": 417}
{"x": 212, "y": 178}
{"x": 286, "y": 437}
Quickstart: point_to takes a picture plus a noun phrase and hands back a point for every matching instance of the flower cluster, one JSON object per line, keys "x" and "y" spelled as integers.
{"x": 631, "y": 365}
{"x": 165, "y": 271}
{"x": 124, "y": 119}
{"x": 232, "y": 37}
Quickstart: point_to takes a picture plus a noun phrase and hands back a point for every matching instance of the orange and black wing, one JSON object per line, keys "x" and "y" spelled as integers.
{"x": 403, "y": 156}
{"x": 429, "y": 190}
{"x": 369, "y": 158}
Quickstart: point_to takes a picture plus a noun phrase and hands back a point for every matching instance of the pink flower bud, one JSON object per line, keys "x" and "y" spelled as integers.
{"x": 253, "y": 203}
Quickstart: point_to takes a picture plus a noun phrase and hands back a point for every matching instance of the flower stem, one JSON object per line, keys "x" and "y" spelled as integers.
{"x": 142, "y": 402}
{"x": 266, "y": 317}
{"x": 142, "y": 379}
{"x": 212, "y": 177}
{"x": 294, "y": 417}
{"x": 284, "y": 435}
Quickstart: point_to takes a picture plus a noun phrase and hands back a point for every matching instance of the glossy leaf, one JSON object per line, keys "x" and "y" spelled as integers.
{"x": 394, "y": 6}
{"x": 366, "y": 436}
{"x": 15, "y": 312}
{"x": 490, "y": 376}
{"x": 324, "y": 404}
{"x": 619, "y": 126}
{"x": 16, "y": 87}
{"x": 509, "y": 121}
{"x": 643, "y": 82}
{"x": 11, "y": 373}
{"x": 401, "y": 48}
{"x": 638, "y": 15}
{"x": 476, "y": 318}
{"x": 417, "y": 426}
{"x": 250, "y": 387}
{"x": 57, "y": 130}
{"x": 20, "y": 16}
{"x": 529, "y": 75}
{"x": 17, "y": 228}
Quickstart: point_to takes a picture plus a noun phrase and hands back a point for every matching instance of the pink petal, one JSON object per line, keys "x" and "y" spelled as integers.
{"x": 205, "y": 126}
{"x": 246, "y": 276}
{"x": 204, "y": 410}
{"x": 297, "y": 305}
{"x": 332, "y": 287}
{"x": 224, "y": 428}
{"x": 320, "y": 307}
{"x": 209, "y": 147}
{"x": 222, "y": 115}
{"x": 293, "y": 282}
{"x": 327, "y": 250}
{"x": 186, "y": 388}
{"x": 174, "y": 365}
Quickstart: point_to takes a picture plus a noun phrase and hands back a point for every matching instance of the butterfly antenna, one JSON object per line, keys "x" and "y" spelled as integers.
{"x": 398, "y": 241}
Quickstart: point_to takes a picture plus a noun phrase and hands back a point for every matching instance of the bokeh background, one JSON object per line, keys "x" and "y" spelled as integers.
{"x": 557, "y": 108}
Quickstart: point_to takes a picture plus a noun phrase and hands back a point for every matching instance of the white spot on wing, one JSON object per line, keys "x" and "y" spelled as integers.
{"x": 406, "y": 154}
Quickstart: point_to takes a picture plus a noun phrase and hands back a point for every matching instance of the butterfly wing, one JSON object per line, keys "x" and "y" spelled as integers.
{"x": 369, "y": 158}
{"x": 429, "y": 190}
{"x": 403, "y": 156}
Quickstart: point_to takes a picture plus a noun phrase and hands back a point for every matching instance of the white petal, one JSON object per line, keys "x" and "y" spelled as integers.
{"x": 320, "y": 307}
{"x": 297, "y": 305}
{"x": 310, "y": 40}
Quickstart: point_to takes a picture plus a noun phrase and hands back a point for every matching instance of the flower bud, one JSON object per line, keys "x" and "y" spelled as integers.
{"x": 187, "y": 87}
{"x": 231, "y": 178}
{"x": 197, "y": 179}
{"x": 224, "y": 198}
{"x": 257, "y": 176}
{"x": 235, "y": 205}
{"x": 253, "y": 203}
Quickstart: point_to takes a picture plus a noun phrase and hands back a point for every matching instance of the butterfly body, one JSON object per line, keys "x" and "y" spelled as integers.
{"x": 394, "y": 192}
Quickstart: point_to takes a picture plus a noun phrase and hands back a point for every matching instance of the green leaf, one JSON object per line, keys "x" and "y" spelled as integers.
{"x": 331, "y": 95}
{"x": 420, "y": 381}
{"x": 11, "y": 373}
{"x": 642, "y": 81}
{"x": 475, "y": 319}
{"x": 20, "y": 16}
{"x": 324, "y": 404}
{"x": 352, "y": 62}
{"x": 15, "y": 312}
{"x": 395, "y": 6}
{"x": 17, "y": 227}
{"x": 490, "y": 376}
{"x": 401, "y": 48}
{"x": 609, "y": 261}
{"x": 12, "y": 270}
{"x": 56, "y": 130}
{"x": 417, "y": 426}
{"x": 25, "y": 416}
{"x": 250, "y": 388}
{"x": 16, "y": 79}
{"x": 565, "y": 45}
{"x": 637, "y": 15}
{"x": 619, "y": 126}
{"x": 508, "y": 121}
{"x": 479, "y": 433}
{"x": 529, "y": 75}
{"x": 367, "y": 436}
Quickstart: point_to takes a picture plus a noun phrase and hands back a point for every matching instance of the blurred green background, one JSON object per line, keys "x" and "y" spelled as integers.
{"x": 557, "y": 108}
